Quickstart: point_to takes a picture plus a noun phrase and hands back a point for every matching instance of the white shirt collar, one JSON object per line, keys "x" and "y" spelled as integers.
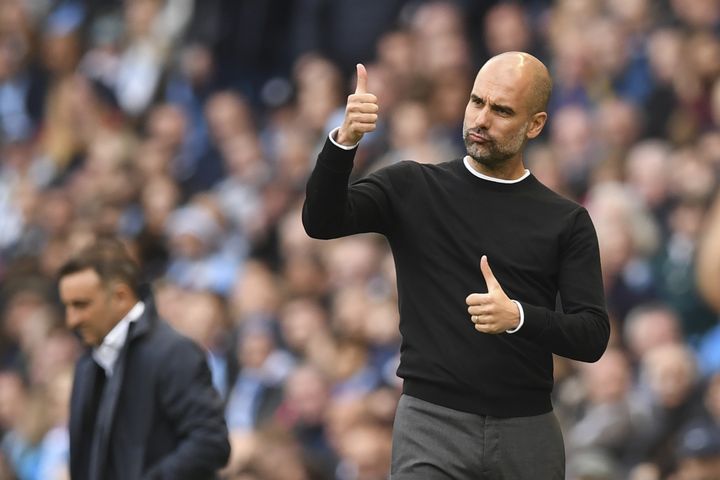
{"x": 107, "y": 353}
{"x": 466, "y": 161}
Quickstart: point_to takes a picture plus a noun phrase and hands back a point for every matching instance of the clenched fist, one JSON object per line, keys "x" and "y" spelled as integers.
{"x": 360, "y": 112}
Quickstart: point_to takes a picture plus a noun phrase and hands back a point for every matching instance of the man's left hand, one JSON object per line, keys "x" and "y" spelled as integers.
{"x": 492, "y": 312}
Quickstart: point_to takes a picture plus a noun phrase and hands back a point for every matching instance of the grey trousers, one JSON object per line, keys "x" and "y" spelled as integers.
{"x": 431, "y": 442}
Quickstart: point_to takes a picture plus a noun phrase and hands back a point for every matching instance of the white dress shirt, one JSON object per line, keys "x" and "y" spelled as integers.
{"x": 107, "y": 353}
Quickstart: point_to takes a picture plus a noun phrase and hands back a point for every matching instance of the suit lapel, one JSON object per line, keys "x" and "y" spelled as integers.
{"x": 111, "y": 394}
{"x": 82, "y": 393}
{"x": 83, "y": 383}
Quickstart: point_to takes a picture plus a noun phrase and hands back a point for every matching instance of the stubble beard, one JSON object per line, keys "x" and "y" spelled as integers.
{"x": 491, "y": 154}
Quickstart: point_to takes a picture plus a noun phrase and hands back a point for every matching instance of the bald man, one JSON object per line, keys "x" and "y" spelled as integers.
{"x": 482, "y": 251}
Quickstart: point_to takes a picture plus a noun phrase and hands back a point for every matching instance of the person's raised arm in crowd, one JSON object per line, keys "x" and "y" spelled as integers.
{"x": 708, "y": 258}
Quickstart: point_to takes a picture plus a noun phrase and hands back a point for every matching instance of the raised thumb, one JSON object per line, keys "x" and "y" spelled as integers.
{"x": 488, "y": 275}
{"x": 361, "y": 79}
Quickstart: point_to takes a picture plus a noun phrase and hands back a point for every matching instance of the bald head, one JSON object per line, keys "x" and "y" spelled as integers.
{"x": 526, "y": 73}
{"x": 506, "y": 109}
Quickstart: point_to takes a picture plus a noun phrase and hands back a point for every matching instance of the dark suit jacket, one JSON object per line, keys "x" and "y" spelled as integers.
{"x": 159, "y": 418}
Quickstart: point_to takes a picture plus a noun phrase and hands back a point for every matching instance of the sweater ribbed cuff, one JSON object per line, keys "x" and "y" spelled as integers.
{"x": 336, "y": 158}
{"x": 536, "y": 321}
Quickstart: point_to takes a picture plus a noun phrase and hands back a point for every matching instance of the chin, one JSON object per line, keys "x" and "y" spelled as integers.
{"x": 481, "y": 157}
{"x": 481, "y": 154}
{"x": 484, "y": 160}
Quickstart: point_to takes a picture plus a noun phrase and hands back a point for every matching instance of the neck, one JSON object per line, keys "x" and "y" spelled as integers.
{"x": 125, "y": 308}
{"x": 511, "y": 169}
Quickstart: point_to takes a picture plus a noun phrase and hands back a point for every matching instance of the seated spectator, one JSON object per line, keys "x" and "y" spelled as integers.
{"x": 668, "y": 398}
{"x": 257, "y": 391}
{"x": 698, "y": 452}
{"x": 606, "y": 424}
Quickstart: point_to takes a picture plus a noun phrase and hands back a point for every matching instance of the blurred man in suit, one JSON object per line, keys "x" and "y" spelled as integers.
{"x": 143, "y": 404}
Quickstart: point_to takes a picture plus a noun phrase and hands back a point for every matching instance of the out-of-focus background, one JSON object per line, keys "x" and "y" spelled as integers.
{"x": 189, "y": 128}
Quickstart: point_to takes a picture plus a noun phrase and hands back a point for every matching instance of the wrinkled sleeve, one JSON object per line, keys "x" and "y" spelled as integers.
{"x": 582, "y": 330}
{"x": 333, "y": 208}
{"x": 194, "y": 407}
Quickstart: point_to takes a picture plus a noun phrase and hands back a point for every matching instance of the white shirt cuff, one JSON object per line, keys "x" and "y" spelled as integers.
{"x": 522, "y": 317}
{"x": 344, "y": 147}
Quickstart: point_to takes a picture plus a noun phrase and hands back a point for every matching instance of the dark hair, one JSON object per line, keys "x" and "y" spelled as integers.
{"x": 110, "y": 259}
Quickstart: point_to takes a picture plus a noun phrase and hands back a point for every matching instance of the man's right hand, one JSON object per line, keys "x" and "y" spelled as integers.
{"x": 360, "y": 112}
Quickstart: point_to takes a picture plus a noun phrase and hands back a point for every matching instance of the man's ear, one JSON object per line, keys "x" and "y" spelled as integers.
{"x": 121, "y": 292}
{"x": 537, "y": 122}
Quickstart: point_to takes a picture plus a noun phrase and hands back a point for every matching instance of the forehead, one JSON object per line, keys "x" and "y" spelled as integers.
{"x": 84, "y": 282}
{"x": 502, "y": 83}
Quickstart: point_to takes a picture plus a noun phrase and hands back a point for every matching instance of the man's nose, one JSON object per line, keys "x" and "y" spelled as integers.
{"x": 482, "y": 118}
{"x": 72, "y": 319}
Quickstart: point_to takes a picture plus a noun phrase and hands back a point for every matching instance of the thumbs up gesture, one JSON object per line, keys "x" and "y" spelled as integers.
{"x": 492, "y": 312}
{"x": 360, "y": 112}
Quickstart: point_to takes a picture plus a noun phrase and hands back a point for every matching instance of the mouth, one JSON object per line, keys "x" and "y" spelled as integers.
{"x": 478, "y": 138}
{"x": 83, "y": 335}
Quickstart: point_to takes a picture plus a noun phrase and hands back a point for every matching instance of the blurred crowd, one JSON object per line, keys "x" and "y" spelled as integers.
{"x": 188, "y": 128}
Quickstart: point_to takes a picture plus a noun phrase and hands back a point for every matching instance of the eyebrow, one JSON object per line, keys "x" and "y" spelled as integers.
{"x": 80, "y": 302}
{"x": 495, "y": 106}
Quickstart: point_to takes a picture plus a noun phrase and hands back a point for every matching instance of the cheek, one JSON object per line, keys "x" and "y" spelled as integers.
{"x": 516, "y": 133}
{"x": 94, "y": 315}
{"x": 466, "y": 121}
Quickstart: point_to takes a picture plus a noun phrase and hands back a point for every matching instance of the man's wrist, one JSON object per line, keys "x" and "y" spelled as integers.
{"x": 334, "y": 139}
{"x": 521, "y": 313}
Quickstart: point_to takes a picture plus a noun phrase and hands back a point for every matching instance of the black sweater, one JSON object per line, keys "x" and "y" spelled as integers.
{"x": 439, "y": 221}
